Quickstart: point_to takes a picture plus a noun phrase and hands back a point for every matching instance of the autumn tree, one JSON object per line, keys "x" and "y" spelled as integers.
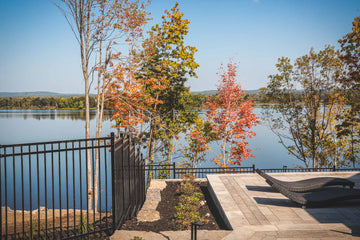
{"x": 100, "y": 25}
{"x": 232, "y": 118}
{"x": 117, "y": 23}
{"x": 303, "y": 124}
{"x": 332, "y": 148}
{"x": 348, "y": 131}
{"x": 168, "y": 62}
{"x": 350, "y": 125}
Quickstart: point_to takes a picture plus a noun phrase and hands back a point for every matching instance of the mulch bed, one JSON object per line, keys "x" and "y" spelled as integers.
{"x": 166, "y": 208}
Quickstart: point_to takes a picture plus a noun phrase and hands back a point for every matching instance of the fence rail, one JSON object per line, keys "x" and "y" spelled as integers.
{"x": 328, "y": 169}
{"x": 167, "y": 171}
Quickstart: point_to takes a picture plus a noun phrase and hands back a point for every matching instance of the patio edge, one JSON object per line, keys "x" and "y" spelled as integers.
{"x": 218, "y": 205}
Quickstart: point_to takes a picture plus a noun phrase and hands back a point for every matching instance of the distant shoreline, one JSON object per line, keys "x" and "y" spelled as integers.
{"x": 83, "y": 109}
{"x": 256, "y": 105}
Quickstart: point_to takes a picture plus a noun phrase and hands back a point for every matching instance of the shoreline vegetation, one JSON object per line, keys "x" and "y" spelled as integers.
{"x": 46, "y": 103}
{"x": 195, "y": 100}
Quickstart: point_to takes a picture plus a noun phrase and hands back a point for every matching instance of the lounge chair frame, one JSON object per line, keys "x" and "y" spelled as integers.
{"x": 322, "y": 197}
{"x": 307, "y": 185}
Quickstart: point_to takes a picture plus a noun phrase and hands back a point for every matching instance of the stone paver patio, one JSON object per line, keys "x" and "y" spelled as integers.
{"x": 255, "y": 211}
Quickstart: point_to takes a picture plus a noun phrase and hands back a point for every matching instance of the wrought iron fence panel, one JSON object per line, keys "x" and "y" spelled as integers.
{"x": 128, "y": 180}
{"x": 44, "y": 189}
{"x": 172, "y": 171}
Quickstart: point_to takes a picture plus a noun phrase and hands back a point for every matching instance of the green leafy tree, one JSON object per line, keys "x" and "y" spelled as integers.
{"x": 348, "y": 131}
{"x": 302, "y": 125}
{"x": 198, "y": 140}
{"x": 166, "y": 64}
{"x": 350, "y": 124}
{"x": 332, "y": 149}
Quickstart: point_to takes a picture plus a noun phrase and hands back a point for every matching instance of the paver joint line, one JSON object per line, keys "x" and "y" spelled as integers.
{"x": 279, "y": 212}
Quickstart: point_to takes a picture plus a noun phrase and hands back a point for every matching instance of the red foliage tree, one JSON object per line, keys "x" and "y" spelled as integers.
{"x": 232, "y": 117}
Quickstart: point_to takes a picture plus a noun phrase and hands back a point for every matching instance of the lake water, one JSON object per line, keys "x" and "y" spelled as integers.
{"x": 24, "y": 126}
{"x": 28, "y": 126}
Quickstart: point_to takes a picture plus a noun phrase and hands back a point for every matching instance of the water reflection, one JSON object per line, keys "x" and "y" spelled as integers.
{"x": 26, "y": 126}
{"x": 73, "y": 115}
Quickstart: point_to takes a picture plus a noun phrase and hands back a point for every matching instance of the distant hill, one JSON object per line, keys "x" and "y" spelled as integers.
{"x": 213, "y": 92}
{"x": 40, "y": 94}
{"x": 206, "y": 93}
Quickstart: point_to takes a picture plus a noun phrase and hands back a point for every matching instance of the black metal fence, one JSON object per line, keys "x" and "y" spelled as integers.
{"x": 45, "y": 187}
{"x": 129, "y": 180}
{"x": 167, "y": 171}
{"x": 325, "y": 169}
{"x": 171, "y": 171}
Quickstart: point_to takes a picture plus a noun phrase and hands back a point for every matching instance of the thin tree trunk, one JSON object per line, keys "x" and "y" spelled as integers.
{"x": 84, "y": 46}
{"x": 172, "y": 149}
{"x": 223, "y": 147}
{"x": 147, "y": 161}
{"x": 98, "y": 128}
{"x": 87, "y": 135}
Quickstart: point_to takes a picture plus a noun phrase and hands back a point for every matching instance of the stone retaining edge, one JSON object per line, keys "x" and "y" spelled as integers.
{"x": 218, "y": 207}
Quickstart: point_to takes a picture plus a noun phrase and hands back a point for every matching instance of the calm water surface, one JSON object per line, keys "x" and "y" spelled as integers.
{"x": 23, "y": 126}
{"x": 63, "y": 177}
{"x": 27, "y": 126}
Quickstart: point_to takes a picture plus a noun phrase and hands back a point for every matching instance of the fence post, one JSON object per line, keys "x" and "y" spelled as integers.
{"x": 143, "y": 175}
{"x": 113, "y": 177}
{"x": 253, "y": 168}
{"x": 174, "y": 170}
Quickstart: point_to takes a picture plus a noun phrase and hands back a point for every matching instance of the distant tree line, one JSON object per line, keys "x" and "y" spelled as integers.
{"x": 193, "y": 100}
{"x": 45, "y": 102}
{"x": 297, "y": 96}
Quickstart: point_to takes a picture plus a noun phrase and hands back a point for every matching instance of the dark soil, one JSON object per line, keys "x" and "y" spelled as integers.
{"x": 166, "y": 208}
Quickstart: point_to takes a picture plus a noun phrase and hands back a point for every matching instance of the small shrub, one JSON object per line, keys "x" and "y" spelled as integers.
{"x": 83, "y": 226}
{"x": 187, "y": 210}
{"x": 34, "y": 230}
{"x": 137, "y": 238}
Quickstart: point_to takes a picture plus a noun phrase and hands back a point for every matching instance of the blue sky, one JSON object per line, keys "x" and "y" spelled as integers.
{"x": 39, "y": 52}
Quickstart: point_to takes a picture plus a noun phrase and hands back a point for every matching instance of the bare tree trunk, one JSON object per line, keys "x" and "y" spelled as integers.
{"x": 223, "y": 149}
{"x": 87, "y": 135}
{"x": 84, "y": 49}
{"x": 87, "y": 127}
{"x": 172, "y": 149}
{"x": 98, "y": 126}
{"x": 99, "y": 119}
{"x": 98, "y": 134}
{"x": 83, "y": 26}
{"x": 148, "y": 154}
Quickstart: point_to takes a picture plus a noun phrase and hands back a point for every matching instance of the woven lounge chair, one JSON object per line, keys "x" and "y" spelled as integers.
{"x": 307, "y": 184}
{"x": 321, "y": 197}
